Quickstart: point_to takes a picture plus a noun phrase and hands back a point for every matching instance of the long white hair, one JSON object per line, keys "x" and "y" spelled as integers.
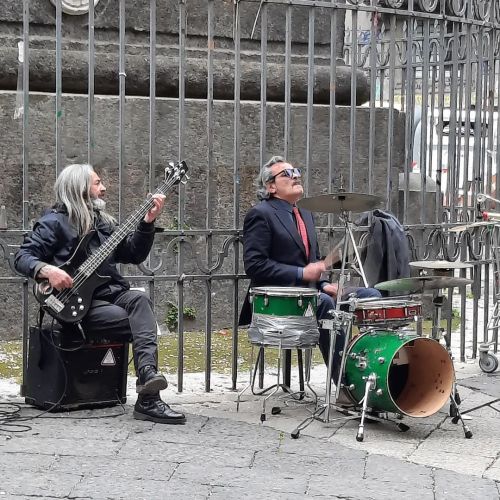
{"x": 72, "y": 189}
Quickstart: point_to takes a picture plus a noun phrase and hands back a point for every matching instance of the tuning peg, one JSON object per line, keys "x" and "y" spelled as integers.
{"x": 184, "y": 179}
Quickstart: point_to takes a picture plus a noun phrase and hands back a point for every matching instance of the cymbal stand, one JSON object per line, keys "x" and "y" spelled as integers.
{"x": 437, "y": 335}
{"x": 341, "y": 320}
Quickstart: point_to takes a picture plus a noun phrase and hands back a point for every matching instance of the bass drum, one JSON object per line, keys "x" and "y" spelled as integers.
{"x": 413, "y": 375}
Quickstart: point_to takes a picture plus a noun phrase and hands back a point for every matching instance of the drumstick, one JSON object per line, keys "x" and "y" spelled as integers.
{"x": 329, "y": 259}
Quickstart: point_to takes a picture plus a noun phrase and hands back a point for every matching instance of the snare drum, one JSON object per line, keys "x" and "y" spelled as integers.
{"x": 284, "y": 316}
{"x": 387, "y": 312}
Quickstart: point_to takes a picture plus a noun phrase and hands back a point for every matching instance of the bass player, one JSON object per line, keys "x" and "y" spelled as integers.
{"x": 79, "y": 211}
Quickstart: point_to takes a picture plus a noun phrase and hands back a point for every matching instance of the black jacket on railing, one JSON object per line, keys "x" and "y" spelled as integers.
{"x": 386, "y": 254}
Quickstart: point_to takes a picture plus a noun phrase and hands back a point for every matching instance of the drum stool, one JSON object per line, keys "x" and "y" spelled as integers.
{"x": 66, "y": 372}
{"x": 282, "y": 318}
{"x": 303, "y": 352}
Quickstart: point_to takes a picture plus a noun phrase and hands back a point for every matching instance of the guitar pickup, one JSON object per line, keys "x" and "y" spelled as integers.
{"x": 54, "y": 303}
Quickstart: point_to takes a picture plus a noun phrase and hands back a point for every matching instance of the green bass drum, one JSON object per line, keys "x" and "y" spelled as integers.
{"x": 413, "y": 375}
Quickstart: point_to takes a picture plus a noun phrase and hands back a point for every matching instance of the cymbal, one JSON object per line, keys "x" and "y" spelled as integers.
{"x": 439, "y": 264}
{"x": 464, "y": 227}
{"x": 337, "y": 202}
{"x": 421, "y": 283}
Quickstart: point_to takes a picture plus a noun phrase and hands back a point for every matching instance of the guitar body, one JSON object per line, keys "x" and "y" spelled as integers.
{"x": 70, "y": 305}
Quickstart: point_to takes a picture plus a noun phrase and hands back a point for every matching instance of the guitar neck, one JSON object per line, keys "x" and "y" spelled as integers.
{"x": 110, "y": 245}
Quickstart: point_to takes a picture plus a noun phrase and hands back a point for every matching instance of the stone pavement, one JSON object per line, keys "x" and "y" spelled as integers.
{"x": 221, "y": 453}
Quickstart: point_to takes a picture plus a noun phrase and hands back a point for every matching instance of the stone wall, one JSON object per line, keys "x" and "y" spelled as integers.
{"x": 74, "y": 46}
{"x": 41, "y": 172}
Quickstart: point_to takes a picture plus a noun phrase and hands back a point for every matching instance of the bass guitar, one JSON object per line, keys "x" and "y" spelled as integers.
{"x": 72, "y": 304}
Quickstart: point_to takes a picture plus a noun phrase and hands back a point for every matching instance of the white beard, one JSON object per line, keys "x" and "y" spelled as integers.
{"x": 99, "y": 203}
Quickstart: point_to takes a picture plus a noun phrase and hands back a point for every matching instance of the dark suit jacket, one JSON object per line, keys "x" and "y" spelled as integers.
{"x": 273, "y": 249}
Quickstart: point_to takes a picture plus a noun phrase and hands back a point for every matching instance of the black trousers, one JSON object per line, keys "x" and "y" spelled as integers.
{"x": 128, "y": 313}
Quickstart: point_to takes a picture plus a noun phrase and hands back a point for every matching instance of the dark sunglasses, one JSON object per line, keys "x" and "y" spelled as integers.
{"x": 287, "y": 172}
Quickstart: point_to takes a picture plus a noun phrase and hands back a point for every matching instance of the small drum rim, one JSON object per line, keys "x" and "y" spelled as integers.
{"x": 284, "y": 291}
{"x": 391, "y": 304}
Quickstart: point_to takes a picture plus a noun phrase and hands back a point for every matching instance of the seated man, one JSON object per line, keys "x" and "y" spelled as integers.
{"x": 281, "y": 247}
{"x": 79, "y": 209}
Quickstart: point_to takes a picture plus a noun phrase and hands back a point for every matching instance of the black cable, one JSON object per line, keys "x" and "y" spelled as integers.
{"x": 9, "y": 419}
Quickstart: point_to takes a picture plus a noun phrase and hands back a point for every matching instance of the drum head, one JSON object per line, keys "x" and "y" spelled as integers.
{"x": 426, "y": 387}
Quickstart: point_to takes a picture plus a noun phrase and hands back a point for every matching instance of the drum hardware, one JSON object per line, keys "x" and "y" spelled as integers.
{"x": 440, "y": 264}
{"x": 444, "y": 268}
{"x": 299, "y": 397}
{"x": 422, "y": 283}
{"x": 342, "y": 203}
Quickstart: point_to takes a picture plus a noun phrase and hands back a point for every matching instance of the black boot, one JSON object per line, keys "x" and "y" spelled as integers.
{"x": 153, "y": 409}
{"x": 150, "y": 381}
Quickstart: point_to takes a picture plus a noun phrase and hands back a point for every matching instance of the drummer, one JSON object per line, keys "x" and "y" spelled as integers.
{"x": 281, "y": 246}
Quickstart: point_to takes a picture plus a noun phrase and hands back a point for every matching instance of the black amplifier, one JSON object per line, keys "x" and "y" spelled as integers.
{"x": 66, "y": 372}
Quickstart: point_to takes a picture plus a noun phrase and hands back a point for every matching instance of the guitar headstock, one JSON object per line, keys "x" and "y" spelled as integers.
{"x": 176, "y": 173}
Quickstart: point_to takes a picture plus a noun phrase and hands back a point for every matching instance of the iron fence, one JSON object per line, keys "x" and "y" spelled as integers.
{"x": 397, "y": 98}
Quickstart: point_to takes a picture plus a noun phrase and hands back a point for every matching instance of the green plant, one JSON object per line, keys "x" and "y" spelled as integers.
{"x": 173, "y": 312}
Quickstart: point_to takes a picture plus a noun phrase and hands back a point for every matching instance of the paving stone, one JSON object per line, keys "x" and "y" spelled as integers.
{"x": 34, "y": 462}
{"x": 278, "y": 461}
{"x": 187, "y": 452}
{"x": 451, "y": 439}
{"x": 318, "y": 448}
{"x": 142, "y": 489}
{"x": 449, "y": 484}
{"x": 115, "y": 467}
{"x": 356, "y": 486}
{"x": 225, "y": 493}
{"x": 492, "y": 473}
{"x": 465, "y": 463}
{"x": 29, "y": 484}
{"x": 389, "y": 470}
{"x": 284, "y": 481}
{"x": 61, "y": 446}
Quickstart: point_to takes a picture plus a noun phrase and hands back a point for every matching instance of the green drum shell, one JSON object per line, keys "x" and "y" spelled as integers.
{"x": 414, "y": 375}
{"x": 284, "y": 301}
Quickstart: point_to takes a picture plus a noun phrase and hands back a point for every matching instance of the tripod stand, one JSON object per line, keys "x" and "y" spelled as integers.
{"x": 340, "y": 321}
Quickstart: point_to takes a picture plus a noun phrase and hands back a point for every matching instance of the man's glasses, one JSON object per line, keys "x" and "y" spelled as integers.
{"x": 287, "y": 172}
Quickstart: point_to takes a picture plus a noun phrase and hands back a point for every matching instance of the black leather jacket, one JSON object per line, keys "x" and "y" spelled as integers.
{"x": 53, "y": 240}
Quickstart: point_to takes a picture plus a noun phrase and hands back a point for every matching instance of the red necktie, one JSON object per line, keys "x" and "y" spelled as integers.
{"x": 302, "y": 229}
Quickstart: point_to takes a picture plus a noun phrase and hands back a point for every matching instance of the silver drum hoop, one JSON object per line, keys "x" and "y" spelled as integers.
{"x": 284, "y": 291}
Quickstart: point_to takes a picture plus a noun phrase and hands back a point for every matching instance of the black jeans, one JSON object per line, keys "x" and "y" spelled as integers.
{"x": 128, "y": 313}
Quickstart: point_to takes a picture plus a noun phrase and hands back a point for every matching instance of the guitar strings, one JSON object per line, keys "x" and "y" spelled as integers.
{"x": 95, "y": 260}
